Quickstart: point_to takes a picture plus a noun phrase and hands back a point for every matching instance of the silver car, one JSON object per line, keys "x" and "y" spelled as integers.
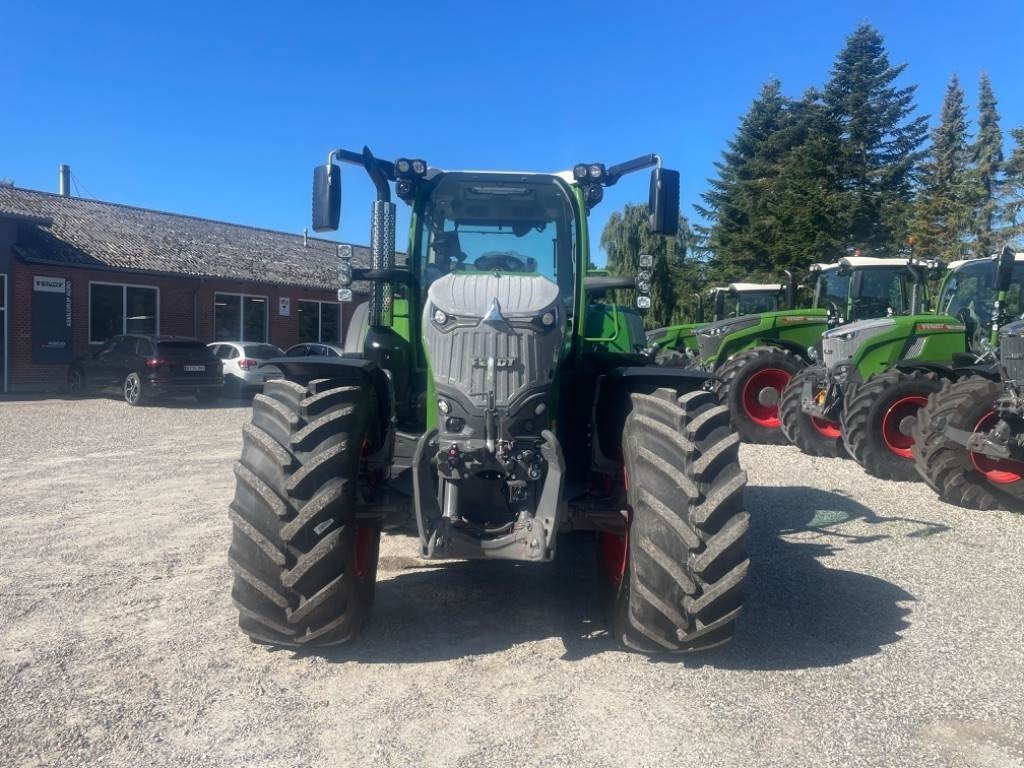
{"x": 242, "y": 359}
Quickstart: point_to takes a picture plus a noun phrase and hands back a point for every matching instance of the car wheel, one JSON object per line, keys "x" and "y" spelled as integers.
{"x": 133, "y": 389}
{"x": 76, "y": 382}
{"x": 207, "y": 395}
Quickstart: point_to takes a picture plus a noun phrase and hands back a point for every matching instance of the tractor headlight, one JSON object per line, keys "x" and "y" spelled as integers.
{"x": 812, "y": 354}
{"x": 440, "y": 317}
{"x": 547, "y": 319}
{"x": 595, "y": 171}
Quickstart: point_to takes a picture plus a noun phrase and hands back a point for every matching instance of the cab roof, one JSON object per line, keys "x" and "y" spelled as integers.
{"x": 751, "y": 287}
{"x": 1019, "y": 256}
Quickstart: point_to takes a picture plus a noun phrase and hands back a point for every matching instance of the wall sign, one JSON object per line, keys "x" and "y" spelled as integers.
{"x": 51, "y": 320}
{"x": 284, "y": 306}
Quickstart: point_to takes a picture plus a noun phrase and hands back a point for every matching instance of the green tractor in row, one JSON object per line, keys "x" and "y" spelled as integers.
{"x": 876, "y": 375}
{"x": 489, "y": 419}
{"x": 969, "y": 437}
{"x": 755, "y": 356}
{"x": 677, "y": 344}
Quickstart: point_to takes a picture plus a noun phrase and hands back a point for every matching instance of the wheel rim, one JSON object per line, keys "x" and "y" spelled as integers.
{"x": 825, "y": 428}
{"x": 363, "y": 549}
{"x": 613, "y": 548}
{"x": 897, "y": 442}
{"x": 131, "y": 389}
{"x": 759, "y": 413}
{"x": 998, "y": 471}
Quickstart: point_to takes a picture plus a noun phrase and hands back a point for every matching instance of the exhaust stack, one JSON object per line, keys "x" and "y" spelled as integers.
{"x": 64, "y": 180}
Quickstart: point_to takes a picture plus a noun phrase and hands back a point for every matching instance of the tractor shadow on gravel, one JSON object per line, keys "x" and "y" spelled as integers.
{"x": 800, "y": 613}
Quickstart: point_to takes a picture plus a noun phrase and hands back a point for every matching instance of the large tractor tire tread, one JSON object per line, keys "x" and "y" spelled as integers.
{"x": 947, "y": 466}
{"x": 687, "y": 560}
{"x": 303, "y": 569}
{"x": 862, "y": 420}
{"x": 736, "y": 372}
{"x": 797, "y": 426}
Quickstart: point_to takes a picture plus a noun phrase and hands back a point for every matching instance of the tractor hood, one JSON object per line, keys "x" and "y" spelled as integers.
{"x": 494, "y": 340}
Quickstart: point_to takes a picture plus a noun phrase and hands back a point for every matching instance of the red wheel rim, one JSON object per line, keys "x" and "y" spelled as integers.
{"x": 363, "y": 549}
{"x": 613, "y": 548}
{"x": 826, "y": 428}
{"x": 896, "y": 441}
{"x": 757, "y": 412}
{"x": 998, "y": 471}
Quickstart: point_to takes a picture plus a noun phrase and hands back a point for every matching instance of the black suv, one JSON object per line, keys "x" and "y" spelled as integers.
{"x": 139, "y": 367}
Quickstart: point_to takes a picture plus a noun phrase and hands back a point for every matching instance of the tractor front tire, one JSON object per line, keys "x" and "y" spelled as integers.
{"x": 815, "y": 437}
{"x": 678, "y": 584}
{"x": 750, "y": 381}
{"x": 959, "y": 476}
{"x": 874, "y": 423}
{"x": 304, "y": 566}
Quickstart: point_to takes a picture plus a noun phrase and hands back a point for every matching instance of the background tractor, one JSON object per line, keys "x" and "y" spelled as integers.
{"x": 754, "y": 356}
{"x": 876, "y": 375}
{"x": 489, "y": 417}
{"x": 677, "y": 344}
{"x": 969, "y": 438}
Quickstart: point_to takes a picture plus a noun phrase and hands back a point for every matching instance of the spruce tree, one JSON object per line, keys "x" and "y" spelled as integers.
{"x": 879, "y": 142}
{"x": 742, "y": 230}
{"x": 987, "y": 160}
{"x": 944, "y": 215}
{"x": 1012, "y": 209}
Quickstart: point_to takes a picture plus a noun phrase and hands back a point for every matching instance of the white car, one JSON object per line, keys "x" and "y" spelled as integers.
{"x": 242, "y": 359}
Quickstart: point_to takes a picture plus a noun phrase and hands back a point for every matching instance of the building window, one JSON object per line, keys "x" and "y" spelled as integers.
{"x": 117, "y": 309}
{"x": 319, "y": 321}
{"x": 239, "y": 318}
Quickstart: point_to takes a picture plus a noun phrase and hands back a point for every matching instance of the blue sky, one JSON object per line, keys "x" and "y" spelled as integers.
{"x": 222, "y": 111}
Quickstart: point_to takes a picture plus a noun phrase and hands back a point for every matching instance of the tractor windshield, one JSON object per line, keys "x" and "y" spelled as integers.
{"x": 968, "y": 291}
{"x": 490, "y": 223}
{"x": 832, "y": 288}
{"x": 753, "y": 302}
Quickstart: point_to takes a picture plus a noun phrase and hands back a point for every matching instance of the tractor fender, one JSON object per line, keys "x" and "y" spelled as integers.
{"x": 611, "y": 402}
{"x": 360, "y": 371}
{"x": 788, "y": 346}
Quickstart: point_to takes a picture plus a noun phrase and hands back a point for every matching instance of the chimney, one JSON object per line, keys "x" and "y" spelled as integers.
{"x": 64, "y": 184}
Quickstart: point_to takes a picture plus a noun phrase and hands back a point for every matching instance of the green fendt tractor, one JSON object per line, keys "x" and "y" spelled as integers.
{"x": 969, "y": 438}
{"x": 877, "y": 375}
{"x": 677, "y": 344}
{"x": 755, "y": 356}
{"x": 492, "y": 422}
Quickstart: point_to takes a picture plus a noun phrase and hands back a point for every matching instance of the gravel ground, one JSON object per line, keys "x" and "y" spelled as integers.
{"x": 883, "y": 628}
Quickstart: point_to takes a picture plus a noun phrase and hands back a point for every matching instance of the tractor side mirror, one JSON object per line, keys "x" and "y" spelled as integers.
{"x": 663, "y": 204}
{"x": 643, "y": 280}
{"x": 326, "y": 197}
{"x": 1004, "y": 270}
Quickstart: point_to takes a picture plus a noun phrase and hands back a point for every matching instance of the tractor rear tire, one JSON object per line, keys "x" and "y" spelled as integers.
{"x": 678, "y": 585}
{"x": 957, "y": 475}
{"x": 815, "y": 437}
{"x": 304, "y": 566}
{"x": 872, "y": 421}
{"x": 743, "y": 377}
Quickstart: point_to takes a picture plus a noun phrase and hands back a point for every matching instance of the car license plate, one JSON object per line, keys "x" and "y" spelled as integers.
{"x": 194, "y": 368}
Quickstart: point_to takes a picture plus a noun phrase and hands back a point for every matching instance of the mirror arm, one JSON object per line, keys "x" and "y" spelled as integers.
{"x": 616, "y": 172}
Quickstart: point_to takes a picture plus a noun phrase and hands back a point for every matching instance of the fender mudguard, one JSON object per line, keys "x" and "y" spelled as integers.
{"x": 360, "y": 371}
{"x": 611, "y": 404}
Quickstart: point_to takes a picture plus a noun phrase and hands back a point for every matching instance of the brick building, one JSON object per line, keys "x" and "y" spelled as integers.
{"x": 74, "y": 272}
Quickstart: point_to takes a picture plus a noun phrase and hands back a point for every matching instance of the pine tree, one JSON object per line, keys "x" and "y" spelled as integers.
{"x": 944, "y": 213}
{"x": 987, "y": 159}
{"x": 1012, "y": 209}
{"x": 742, "y": 229}
{"x": 879, "y": 142}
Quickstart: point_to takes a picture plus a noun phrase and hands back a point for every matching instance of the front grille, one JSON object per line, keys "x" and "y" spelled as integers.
{"x": 1011, "y": 352}
{"x": 836, "y": 350}
{"x": 463, "y": 357}
{"x": 708, "y": 345}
